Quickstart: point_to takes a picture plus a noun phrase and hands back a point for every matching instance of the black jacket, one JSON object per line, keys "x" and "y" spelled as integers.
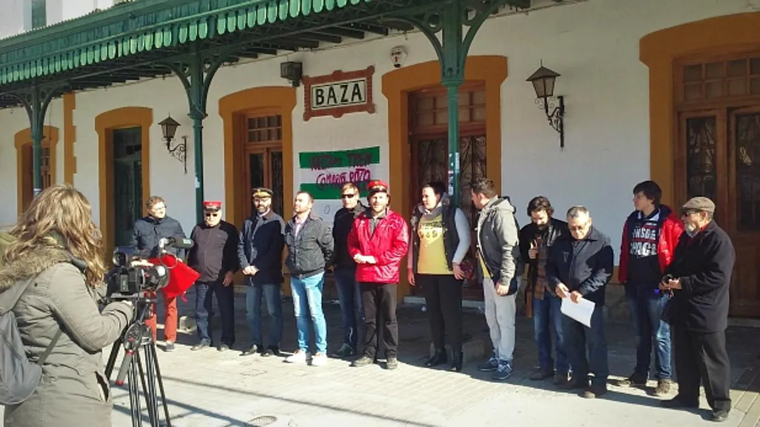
{"x": 214, "y": 252}
{"x": 554, "y": 230}
{"x": 311, "y": 250}
{"x": 344, "y": 220}
{"x": 149, "y": 230}
{"x": 704, "y": 265}
{"x": 582, "y": 265}
{"x": 260, "y": 245}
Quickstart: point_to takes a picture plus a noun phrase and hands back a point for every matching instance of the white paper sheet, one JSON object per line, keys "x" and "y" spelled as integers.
{"x": 580, "y": 312}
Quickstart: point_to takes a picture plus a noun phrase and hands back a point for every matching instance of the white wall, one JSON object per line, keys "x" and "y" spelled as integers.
{"x": 16, "y": 17}
{"x": 594, "y": 45}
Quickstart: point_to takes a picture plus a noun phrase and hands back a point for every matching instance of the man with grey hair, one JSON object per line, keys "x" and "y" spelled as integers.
{"x": 580, "y": 266}
{"x": 699, "y": 279}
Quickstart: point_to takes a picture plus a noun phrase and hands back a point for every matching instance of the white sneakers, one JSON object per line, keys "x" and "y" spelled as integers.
{"x": 301, "y": 357}
{"x": 319, "y": 359}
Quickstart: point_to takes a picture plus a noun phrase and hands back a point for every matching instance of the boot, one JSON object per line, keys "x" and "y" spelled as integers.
{"x": 456, "y": 363}
{"x": 438, "y": 358}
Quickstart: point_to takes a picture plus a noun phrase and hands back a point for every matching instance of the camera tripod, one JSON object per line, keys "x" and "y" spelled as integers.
{"x": 140, "y": 368}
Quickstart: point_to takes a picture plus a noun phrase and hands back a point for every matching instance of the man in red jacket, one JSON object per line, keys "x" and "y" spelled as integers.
{"x": 377, "y": 242}
{"x": 650, "y": 236}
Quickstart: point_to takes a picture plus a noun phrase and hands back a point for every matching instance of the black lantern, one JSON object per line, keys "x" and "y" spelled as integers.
{"x": 169, "y": 129}
{"x": 543, "y": 83}
{"x": 292, "y": 72}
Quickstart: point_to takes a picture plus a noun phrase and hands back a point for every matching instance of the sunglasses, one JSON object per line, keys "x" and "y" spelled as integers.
{"x": 689, "y": 212}
{"x": 347, "y": 196}
{"x": 212, "y": 214}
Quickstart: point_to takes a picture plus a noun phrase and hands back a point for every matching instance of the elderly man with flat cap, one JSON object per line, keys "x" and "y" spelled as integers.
{"x": 260, "y": 255}
{"x": 699, "y": 280}
{"x": 214, "y": 256}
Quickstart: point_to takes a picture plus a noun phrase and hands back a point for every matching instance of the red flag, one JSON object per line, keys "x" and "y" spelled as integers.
{"x": 181, "y": 277}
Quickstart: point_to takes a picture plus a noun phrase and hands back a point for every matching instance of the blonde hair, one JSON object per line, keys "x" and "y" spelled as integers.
{"x": 60, "y": 218}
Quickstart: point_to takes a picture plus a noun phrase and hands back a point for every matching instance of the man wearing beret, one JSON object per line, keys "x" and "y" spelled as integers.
{"x": 699, "y": 280}
{"x": 378, "y": 240}
{"x": 214, "y": 256}
{"x": 260, "y": 256}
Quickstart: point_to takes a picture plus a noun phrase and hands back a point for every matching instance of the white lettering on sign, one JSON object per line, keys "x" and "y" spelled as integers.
{"x": 339, "y": 94}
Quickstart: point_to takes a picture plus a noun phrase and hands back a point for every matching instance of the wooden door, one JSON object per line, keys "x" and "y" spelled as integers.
{"x": 744, "y": 209}
{"x": 262, "y": 158}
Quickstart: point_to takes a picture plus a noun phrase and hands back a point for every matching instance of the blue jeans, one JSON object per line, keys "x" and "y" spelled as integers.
{"x": 271, "y": 294}
{"x": 204, "y": 310}
{"x": 351, "y": 307}
{"x": 646, "y": 312}
{"x": 546, "y": 313}
{"x": 578, "y": 338}
{"x": 307, "y": 305}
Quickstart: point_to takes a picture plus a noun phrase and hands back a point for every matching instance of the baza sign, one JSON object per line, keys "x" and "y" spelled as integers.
{"x": 338, "y": 93}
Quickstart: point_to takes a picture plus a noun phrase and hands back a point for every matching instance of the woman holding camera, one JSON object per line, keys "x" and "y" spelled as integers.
{"x": 59, "y": 249}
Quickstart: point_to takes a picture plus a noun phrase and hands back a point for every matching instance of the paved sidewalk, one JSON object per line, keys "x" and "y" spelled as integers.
{"x": 209, "y": 389}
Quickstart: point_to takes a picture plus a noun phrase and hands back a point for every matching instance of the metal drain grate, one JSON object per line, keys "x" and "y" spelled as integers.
{"x": 262, "y": 421}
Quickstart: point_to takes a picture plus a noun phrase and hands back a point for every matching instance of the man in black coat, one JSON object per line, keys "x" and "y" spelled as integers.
{"x": 579, "y": 267}
{"x": 699, "y": 279}
{"x": 260, "y": 256}
{"x": 214, "y": 256}
{"x": 145, "y": 236}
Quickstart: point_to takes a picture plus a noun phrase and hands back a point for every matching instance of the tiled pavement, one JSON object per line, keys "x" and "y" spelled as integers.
{"x": 209, "y": 388}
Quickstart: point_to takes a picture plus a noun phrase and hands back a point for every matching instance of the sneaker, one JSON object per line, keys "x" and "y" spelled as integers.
{"x": 299, "y": 356}
{"x": 223, "y": 347}
{"x": 251, "y": 351}
{"x": 503, "y": 371}
{"x": 594, "y": 391}
{"x": 490, "y": 366}
{"x": 719, "y": 415}
{"x": 169, "y": 346}
{"x": 272, "y": 350}
{"x": 392, "y": 363}
{"x": 541, "y": 374}
{"x": 201, "y": 345}
{"x": 572, "y": 384}
{"x": 663, "y": 387}
{"x": 362, "y": 361}
{"x": 345, "y": 351}
{"x": 319, "y": 359}
{"x": 634, "y": 380}
{"x": 561, "y": 379}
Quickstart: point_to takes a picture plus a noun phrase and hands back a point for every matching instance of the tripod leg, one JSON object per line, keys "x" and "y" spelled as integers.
{"x": 149, "y": 389}
{"x": 134, "y": 396}
{"x": 112, "y": 358}
{"x": 152, "y": 351}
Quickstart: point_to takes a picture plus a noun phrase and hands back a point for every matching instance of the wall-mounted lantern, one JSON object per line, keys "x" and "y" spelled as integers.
{"x": 178, "y": 150}
{"x": 543, "y": 83}
{"x": 292, "y": 72}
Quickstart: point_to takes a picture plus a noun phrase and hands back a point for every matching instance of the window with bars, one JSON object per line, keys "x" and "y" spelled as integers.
{"x": 721, "y": 79}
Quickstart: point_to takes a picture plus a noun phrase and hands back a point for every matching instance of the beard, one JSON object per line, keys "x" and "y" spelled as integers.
{"x": 691, "y": 229}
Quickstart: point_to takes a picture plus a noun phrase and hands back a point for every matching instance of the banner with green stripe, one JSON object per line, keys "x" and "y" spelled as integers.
{"x": 323, "y": 173}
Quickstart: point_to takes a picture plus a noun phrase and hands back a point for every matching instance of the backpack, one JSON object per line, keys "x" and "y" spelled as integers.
{"x": 18, "y": 375}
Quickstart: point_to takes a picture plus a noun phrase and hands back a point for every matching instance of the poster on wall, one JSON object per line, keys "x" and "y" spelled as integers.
{"x": 323, "y": 173}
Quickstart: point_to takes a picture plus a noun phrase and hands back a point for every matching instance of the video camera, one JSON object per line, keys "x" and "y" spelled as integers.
{"x": 129, "y": 281}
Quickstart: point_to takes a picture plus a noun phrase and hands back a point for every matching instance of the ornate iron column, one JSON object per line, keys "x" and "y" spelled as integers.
{"x": 36, "y": 100}
{"x": 452, "y": 49}
{"x": 196, "y": 71}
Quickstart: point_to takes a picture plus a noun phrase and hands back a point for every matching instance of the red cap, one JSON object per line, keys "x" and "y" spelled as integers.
{"x": 212, "y": 205}
{"x": 377, "y": 186}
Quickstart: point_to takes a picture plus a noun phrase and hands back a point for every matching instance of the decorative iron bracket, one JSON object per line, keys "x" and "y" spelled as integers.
{"x": 178, "y": 150}
{"x": 36, "y": 100}
{"x": 452, "y": 49}
{"x": 557, "y": 115}
{"x": 196, "y": 72}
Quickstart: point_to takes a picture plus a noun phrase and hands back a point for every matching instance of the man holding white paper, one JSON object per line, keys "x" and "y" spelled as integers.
{"x": 579, "y": 267}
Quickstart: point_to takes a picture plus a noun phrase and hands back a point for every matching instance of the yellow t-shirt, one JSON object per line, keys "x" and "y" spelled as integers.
{"x": 432, "y": 257}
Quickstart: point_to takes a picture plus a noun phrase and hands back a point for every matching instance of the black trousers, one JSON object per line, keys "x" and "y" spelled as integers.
{"x": 702, "y": 357}
{"x": 443, "y": 298}
{"x": 380, "y": 308}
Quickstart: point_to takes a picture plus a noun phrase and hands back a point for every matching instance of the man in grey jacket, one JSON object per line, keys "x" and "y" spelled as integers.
{"x": 499, "y": 267}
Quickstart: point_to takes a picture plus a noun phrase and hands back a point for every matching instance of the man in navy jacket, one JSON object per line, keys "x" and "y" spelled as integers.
{"x": 260, "y": 255}
{"x": 580, "y": 266}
